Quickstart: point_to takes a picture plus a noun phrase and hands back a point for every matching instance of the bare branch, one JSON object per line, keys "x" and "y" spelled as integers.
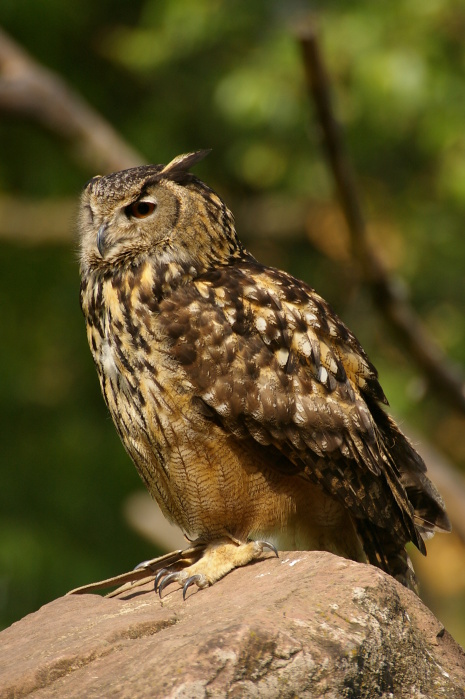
{"x": 30, "y": 90}
{"x": 37, "y": 221}
{"x": 447, "y": 379}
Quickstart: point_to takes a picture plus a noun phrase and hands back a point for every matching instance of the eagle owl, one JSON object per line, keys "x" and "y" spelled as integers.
{"x": 250, "y": 410}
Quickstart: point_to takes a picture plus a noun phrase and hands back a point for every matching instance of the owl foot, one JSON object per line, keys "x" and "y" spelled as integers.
{"x": 219, "y": 558}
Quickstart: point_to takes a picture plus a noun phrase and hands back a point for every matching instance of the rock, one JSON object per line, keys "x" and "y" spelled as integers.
{"x": 307, "y": 625}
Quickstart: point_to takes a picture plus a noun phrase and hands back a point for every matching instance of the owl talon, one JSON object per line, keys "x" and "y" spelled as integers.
{"x": 171, "y": 577}
{"x": 161, "y": 573}
{"x": 164, "y": 572}
{"x": 143, "y": 564}
{"x": 199, "y": 579}
{"x": 267, "y": 545}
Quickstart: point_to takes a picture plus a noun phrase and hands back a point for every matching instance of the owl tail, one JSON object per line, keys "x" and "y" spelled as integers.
{"x": 384, "y": 552}
{"x": 429, "y": 510}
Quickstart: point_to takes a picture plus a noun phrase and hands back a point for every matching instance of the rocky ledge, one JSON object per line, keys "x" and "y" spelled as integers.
{"x": 304, "y": 625}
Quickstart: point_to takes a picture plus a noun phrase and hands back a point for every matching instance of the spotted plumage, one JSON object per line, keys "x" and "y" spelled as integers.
{"x": 248, "y": 407}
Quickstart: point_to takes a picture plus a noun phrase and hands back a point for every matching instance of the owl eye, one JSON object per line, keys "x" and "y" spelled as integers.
{"x": 141, "y": 209}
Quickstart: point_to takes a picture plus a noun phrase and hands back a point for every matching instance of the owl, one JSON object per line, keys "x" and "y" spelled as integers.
{"x": 253, "y": 415}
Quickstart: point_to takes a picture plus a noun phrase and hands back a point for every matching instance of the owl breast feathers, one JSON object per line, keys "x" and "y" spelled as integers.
{"x": 248, "y": 407}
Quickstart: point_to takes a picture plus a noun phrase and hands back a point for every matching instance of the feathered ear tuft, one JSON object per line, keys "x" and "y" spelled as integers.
{"x": 182, "y": 164}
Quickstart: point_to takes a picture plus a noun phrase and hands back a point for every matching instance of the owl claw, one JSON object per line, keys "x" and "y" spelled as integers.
{"x": 159, "y": 576}
{"x": 211, "y": 564}
{"x": 267, "y": 545}
{"x": 199, "y": 579}
{"x": 171, "y": 577}
{"x": 143, "y": 564}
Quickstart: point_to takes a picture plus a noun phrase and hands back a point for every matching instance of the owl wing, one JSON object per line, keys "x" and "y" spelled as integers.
{"x": 269, "y": 360}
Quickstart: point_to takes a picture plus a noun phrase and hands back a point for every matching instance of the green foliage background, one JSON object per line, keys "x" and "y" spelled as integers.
{"x": 174, "y": 76}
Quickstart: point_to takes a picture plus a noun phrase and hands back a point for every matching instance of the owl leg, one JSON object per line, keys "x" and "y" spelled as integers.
{"x": 219, "y": 558}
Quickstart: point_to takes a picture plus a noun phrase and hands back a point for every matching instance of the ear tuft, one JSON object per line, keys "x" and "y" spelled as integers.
{"x": 182, "y": 163}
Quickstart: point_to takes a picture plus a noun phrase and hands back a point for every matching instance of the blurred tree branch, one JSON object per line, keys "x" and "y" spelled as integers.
{"x": 446, "y": 378}
{"x": 27, "y": 89}
{"x": 36, "y": 222}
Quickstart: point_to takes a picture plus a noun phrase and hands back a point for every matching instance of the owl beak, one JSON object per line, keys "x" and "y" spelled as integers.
{"x": 101, "y": 239}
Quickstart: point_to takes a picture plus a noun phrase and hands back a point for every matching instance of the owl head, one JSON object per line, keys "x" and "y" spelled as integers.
{"x": 161, "y": 211}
